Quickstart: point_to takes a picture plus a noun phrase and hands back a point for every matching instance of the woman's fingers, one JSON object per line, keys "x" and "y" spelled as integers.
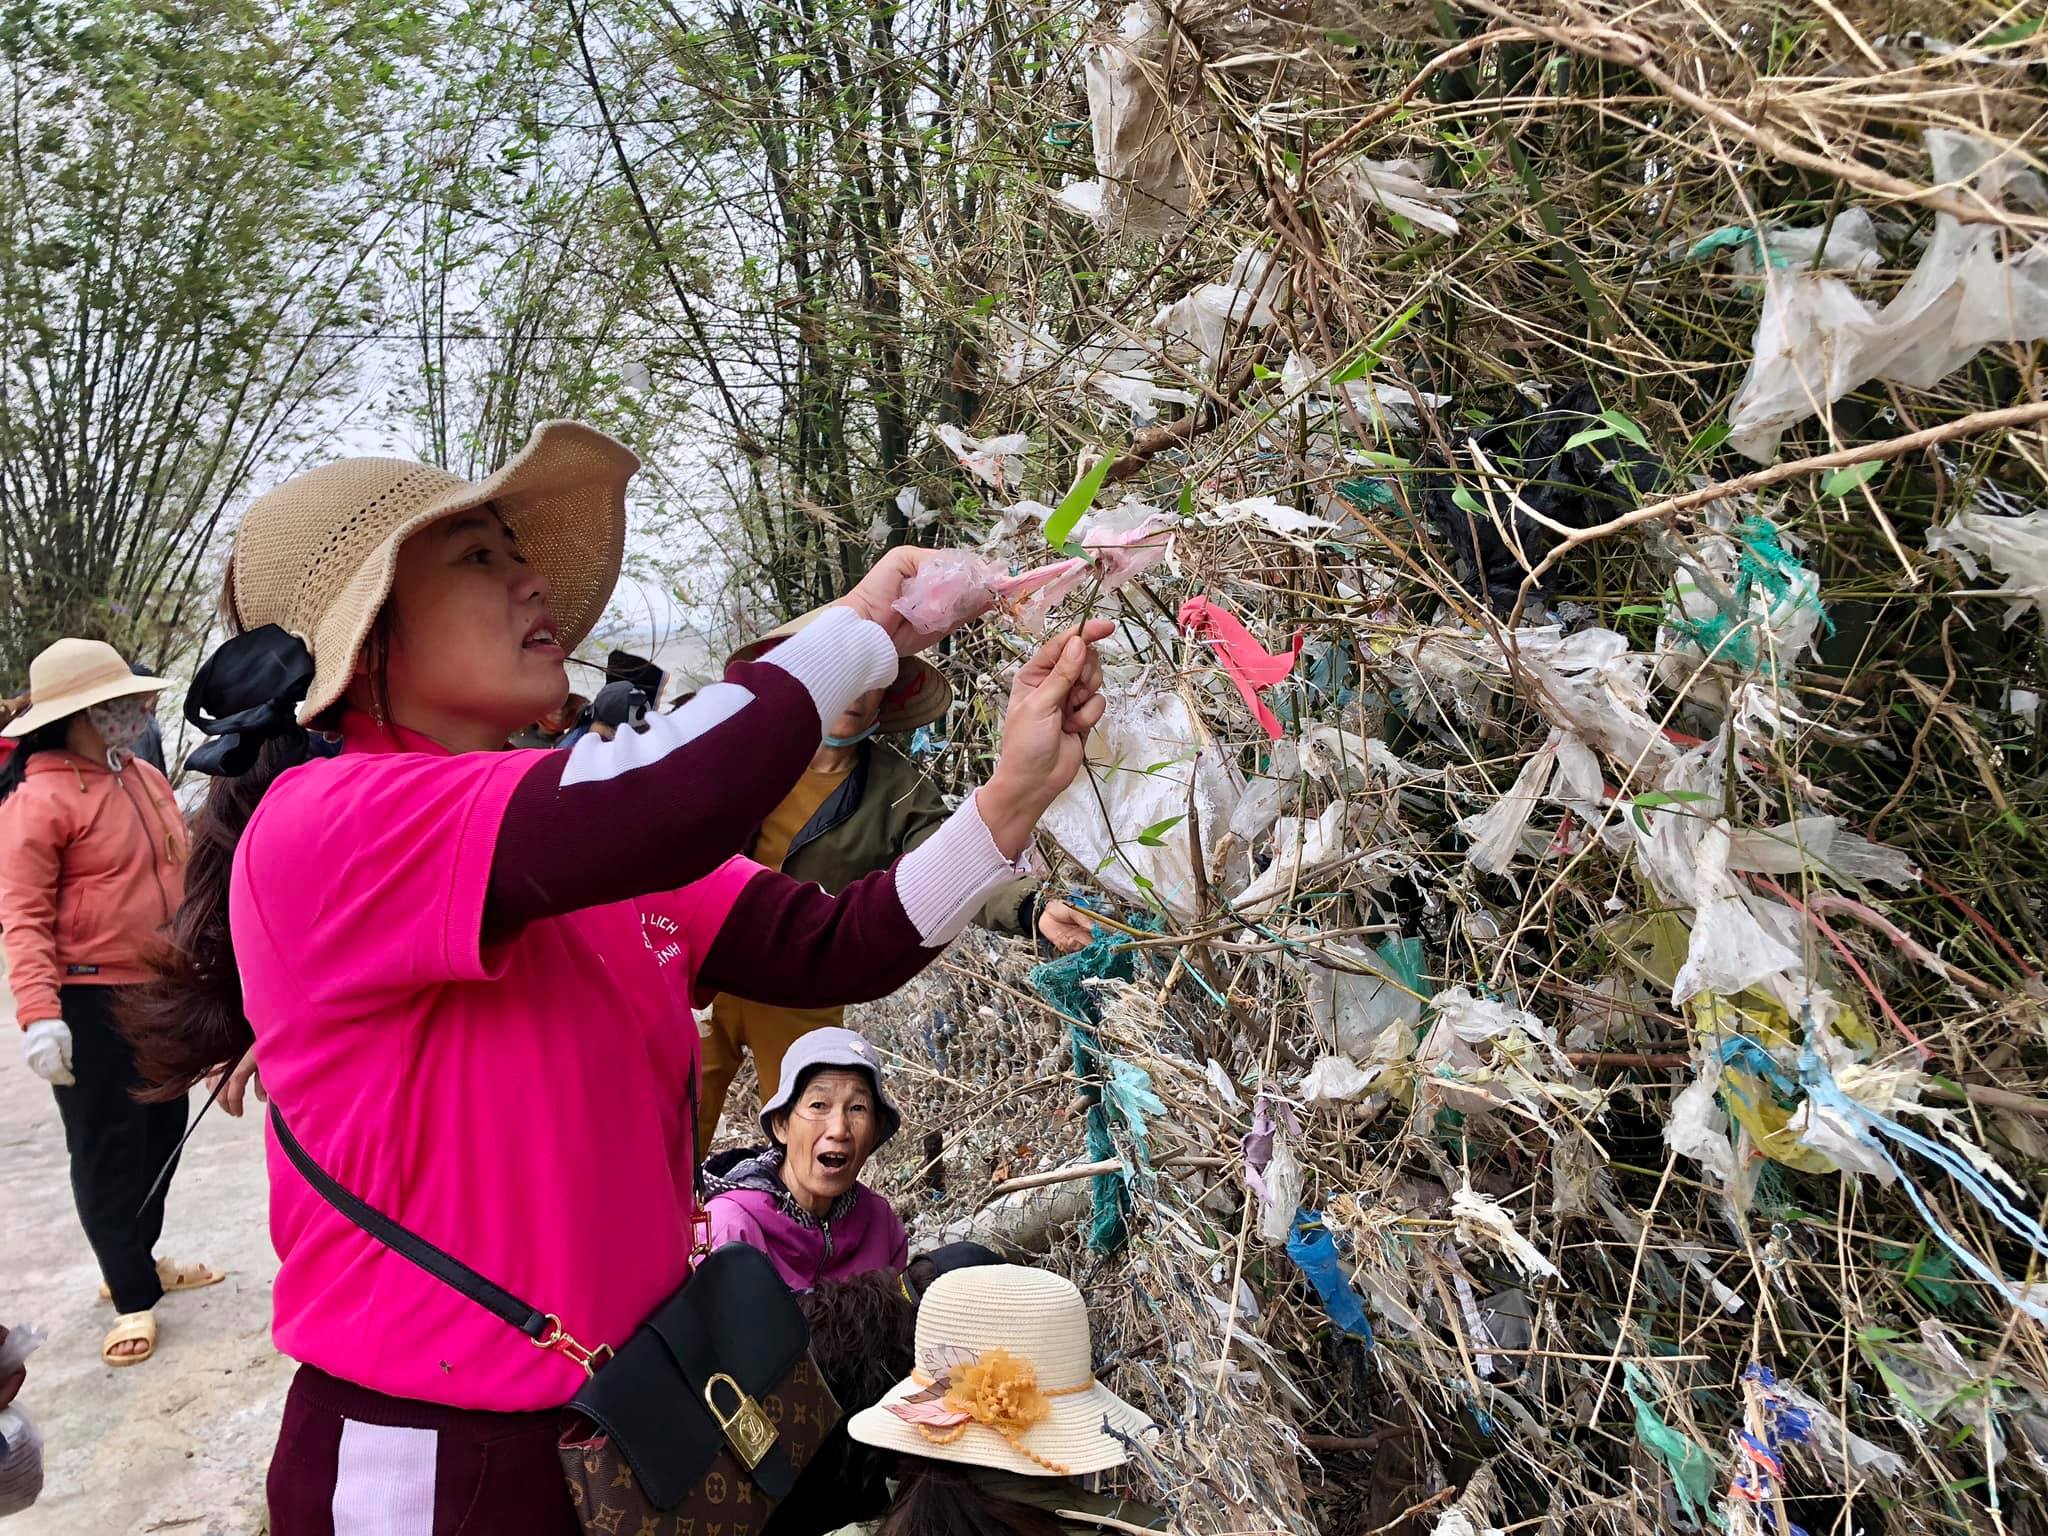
{"x": 874, "y": 596}
{"x": 1087, "y": 677}
{"x": 1084, "y": 717}
{"x": 233, "y": 1096}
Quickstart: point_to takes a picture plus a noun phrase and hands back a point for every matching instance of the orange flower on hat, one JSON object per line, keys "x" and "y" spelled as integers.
{"x": 1000, "y": 1390}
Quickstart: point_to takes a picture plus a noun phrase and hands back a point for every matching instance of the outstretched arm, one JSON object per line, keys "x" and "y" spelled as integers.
{"x": 655, "y": 809}
{"x": 791, "y": 945}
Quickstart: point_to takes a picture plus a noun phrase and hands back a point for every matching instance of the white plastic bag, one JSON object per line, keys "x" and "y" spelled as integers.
{"x": 1335, "y": 1080}
{"x": 1353, "y": 1009}
{"x": 1822, "y": 844}
{"x": 1270, "y": 512}
{"x": 1251, "y": 297}
{"x": 1144, "y": 187}
{"x": 1301, "y": 848}
{"x": 2016, "y": 547}
{"x": 1730, "y": 949}
{"x": 1373, "y": 399}
{"x": 1481, "y": 1220}
{"x": 1397, "y": 186}
{"x": 1282, "y": 1197}
{"x": 997, "y": 460}
{"x": 1143, "y": 759}
{"x": 1816, "y": 340}
{"x": 1698, "y": 1127}
{"x": 1499, "y": 832}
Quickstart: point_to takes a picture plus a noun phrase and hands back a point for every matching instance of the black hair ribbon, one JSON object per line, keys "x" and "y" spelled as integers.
{"x": 247, "y": 692}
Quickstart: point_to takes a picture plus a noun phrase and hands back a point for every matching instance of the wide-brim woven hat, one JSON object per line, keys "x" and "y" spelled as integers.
{"x": 919, "y": 695}
{"x": 316, "y": 555}
{"x": 1040, "y": 1321}
{"x": 70, "y": 675}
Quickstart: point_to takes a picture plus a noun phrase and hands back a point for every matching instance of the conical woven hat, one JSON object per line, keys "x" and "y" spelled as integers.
{"x": 316, "y": 555}
{"x": 1035, "y": 1317}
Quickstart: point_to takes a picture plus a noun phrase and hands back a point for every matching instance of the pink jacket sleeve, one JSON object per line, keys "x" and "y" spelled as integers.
{"x": 730, "y": 1222}
{"x": 32, "y": 838}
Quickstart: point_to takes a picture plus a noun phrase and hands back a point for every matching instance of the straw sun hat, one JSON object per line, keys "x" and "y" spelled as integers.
{"x": 316, "y": 555}
{"x": 919, "y": 695}
{"x": 1005, "y": 1378}
{"x": 72, "y": 674}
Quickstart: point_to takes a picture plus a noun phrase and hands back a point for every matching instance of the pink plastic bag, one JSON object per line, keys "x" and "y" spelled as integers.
{"x": 1030, "y": 597}
{"x": 955, "y": 586}
{"x": 1247, "y": 662}
{"x": 1123, "y": 557}
{"x": 948, "y": 590}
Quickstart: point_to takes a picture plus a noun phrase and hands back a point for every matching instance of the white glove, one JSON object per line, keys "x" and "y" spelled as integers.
{"x": 46, "y": 1047}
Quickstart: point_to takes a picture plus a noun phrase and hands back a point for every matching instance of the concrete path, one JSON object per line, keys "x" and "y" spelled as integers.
{"x": 179, "y": 1443}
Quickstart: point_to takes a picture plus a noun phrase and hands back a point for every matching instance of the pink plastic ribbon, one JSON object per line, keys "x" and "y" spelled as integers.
{"x": 1248, "y": 664}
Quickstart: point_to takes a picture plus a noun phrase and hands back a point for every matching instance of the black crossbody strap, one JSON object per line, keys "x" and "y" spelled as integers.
{"x": 536, "y": 1325}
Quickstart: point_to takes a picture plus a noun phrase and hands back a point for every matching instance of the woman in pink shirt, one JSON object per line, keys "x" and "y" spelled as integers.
{"x": 468, "y": 971}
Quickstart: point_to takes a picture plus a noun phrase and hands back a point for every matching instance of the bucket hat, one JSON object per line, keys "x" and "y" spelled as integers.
{"x": 919, "y": 695}
{"x": 832, "y": 1047}
{"x": 316, "y": 555}
{"x": 69, "y": 675}
{"x": 1005, "y": 1378}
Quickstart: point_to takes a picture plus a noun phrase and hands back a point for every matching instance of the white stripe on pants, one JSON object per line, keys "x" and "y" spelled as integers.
{"x": 384, "y": 1481}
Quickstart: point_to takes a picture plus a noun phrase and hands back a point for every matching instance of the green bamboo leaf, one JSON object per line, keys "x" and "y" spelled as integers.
{"x": 1625, "y": 427}
{"x": 1842, "y": 481}
{"x": 1651, "y": 799}
{"x": 1077, "y": 501}
{"x": 1152, "y": 835}
{"x": 1369, "y": 359}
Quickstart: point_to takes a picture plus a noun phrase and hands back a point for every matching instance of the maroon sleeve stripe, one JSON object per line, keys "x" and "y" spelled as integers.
{"x": 656, "y": 810}
{"x": 790, "y": 945}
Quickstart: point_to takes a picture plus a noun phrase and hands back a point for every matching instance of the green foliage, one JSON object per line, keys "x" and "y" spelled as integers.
{"x": 1841, "y": 482}
{"x": 1077, "y": 501}
{"x": 187, "y": 234}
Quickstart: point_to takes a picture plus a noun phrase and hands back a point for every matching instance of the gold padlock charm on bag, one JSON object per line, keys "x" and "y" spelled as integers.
{"x": 748, "y": 1430}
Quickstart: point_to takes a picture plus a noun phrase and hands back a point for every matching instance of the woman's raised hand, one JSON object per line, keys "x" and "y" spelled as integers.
{"x": 1054, "y": 702}
{"x": 874, "y": 597}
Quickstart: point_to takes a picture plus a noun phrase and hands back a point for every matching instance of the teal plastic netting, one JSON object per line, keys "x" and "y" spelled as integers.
{"x": 1063, "y": 983}
{"x": 1761, "y": 561}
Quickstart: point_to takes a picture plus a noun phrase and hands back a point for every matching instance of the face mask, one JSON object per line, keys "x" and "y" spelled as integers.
{"x": 851, "y": 741}
{"x": 122, "y": 723}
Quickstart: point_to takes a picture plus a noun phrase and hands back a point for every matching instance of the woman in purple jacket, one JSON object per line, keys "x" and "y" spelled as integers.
{"x": 799, "y": 1199}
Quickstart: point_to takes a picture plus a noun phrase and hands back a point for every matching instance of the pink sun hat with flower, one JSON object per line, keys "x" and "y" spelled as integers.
{"x": 1005, "y": 1378}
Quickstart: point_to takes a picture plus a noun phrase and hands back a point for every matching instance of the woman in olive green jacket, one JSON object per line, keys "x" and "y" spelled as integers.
{"x": 861, "y": 805}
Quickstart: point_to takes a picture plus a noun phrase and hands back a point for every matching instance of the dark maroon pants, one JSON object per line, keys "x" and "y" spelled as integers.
{"x": 350, "y": 1461}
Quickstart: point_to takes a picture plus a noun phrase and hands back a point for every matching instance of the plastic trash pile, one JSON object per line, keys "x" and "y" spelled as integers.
{"x": 1565, "y": 1044}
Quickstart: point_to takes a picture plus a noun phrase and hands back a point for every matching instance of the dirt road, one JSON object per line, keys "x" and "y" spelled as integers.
{"x": 178, "y": 1444}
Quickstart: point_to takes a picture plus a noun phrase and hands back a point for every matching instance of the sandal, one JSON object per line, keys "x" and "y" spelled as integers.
{"x": 178, "y": 1277}
{"x": 128, "y": 1328}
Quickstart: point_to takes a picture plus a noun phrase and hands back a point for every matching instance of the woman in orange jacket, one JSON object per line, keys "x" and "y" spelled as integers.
{"x": 92, "y": 856}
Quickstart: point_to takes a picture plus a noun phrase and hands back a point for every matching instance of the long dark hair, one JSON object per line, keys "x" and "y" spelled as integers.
{"x": 864, "y": 1339}
{"x": 191, "y": 1019}
{"x": 48, "y": 738}
{"x": 939, "y": 1499}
